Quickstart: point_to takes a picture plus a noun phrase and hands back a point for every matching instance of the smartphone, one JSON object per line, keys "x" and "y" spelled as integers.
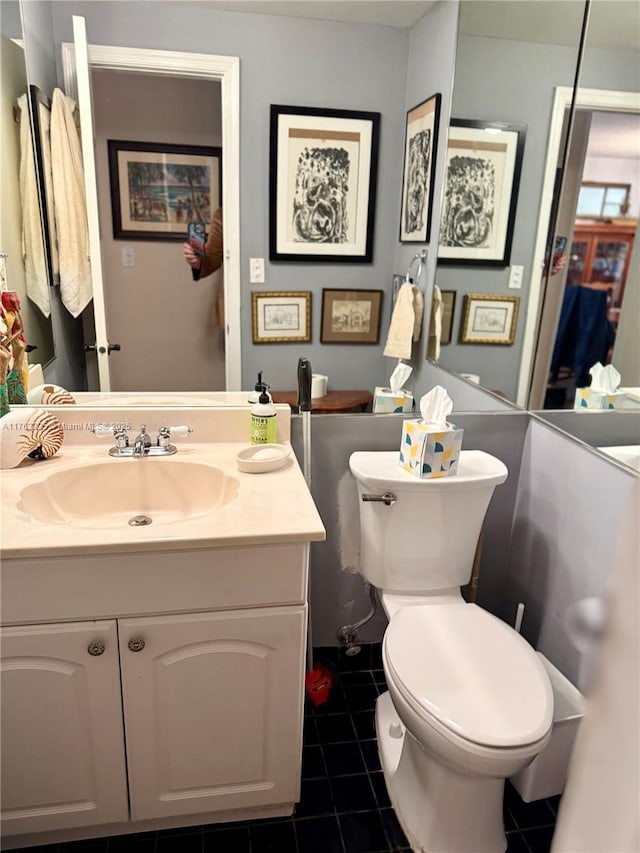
{"x": 558, "y": 251}
{"x": 197, "y": 237}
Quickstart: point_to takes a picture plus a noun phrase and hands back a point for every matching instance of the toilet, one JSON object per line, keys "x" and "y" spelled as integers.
{"x": 469, "y": 702}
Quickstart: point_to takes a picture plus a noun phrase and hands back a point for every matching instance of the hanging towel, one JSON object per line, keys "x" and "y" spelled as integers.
{"x": 37, "y": 283}
{"x": 70, "y": 206}
{"x": 435, "y": 325}
{"x": 406, "y": 322}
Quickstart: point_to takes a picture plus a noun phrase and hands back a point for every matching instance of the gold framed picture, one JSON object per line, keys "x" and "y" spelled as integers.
{"x": 489, "y": 319}
{"x": 281, "y": 317}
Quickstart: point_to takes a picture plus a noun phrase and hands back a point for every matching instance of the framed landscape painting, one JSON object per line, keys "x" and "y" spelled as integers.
{"x": 323, "y": 167}
{"x": 281, "y": 317}
{"x": 484, "y": 161}
{"x": 157, "y": 189}
{"x": 421, "y": 135}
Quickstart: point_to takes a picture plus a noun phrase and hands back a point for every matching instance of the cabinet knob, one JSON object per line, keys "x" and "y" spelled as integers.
{"x": 96, "y": 648}
{"x": 136, "y": 644}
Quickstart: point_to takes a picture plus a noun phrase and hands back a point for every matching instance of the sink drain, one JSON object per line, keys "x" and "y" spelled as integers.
{"x": 140, "y": 521}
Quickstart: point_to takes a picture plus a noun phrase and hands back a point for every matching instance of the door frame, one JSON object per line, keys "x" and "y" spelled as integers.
{"x": 226, "y": 69}
{"x": 539, "y": 315}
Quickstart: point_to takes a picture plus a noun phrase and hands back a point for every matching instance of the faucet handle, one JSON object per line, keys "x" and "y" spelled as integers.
{"x": 166, "y": 432}
{"x": 102, "y": 430}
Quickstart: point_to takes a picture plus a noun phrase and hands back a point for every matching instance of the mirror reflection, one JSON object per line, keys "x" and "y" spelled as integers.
{"x": 23, "y": 269}
{"x": 610, "y": 60}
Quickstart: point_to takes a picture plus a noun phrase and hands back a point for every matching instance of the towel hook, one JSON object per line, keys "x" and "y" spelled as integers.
{"x": 420, "y": 258}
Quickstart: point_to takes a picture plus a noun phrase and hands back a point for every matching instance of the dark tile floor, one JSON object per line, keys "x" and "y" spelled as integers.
{"x": 344, "y": 806}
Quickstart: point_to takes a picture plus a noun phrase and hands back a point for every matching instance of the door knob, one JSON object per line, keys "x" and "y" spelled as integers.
{"x": 136, "y": 644}
{"x": 96, "y": 648}
{"x": 113, "y": 348}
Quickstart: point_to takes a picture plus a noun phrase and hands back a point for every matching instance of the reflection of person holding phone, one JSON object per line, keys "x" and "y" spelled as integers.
{"x": 207, "y": 263}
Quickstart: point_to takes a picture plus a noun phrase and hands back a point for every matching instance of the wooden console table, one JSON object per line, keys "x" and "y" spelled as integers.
{"x": 334, "y": 402}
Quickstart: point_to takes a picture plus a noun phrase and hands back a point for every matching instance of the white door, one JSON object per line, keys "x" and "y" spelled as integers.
{"x": 213, "y": 710}
{"x": 63, "y": 759}
{"x": 85, "y": 108}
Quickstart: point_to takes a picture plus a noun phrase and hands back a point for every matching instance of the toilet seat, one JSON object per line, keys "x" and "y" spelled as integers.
{"x": 468, "y": 675}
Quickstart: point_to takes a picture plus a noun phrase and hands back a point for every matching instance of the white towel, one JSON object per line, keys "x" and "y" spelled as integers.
{"x": 406, "y": 322}
{"x": 435, "y": 325}
{"x": 37, "y": 282}
{"x": 70, "y": 206}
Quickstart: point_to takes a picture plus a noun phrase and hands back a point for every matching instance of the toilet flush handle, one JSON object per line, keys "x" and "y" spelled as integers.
{"x": 387, "y": 498}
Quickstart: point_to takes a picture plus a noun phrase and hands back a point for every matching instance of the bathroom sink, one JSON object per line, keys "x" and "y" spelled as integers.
{"x": 115, "y": 493}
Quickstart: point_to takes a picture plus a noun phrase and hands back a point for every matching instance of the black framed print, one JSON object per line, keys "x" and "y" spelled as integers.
{"x": 484, "y": 161}
{"x": 157, "y": 189}
{"x": 421, "y": 134}
{"x": 323, "y": 173}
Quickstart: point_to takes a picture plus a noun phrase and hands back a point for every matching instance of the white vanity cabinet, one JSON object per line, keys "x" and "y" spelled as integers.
{"x": 182, "y": 703}
{"x": 63, "y": 762}
{"x": 213, "y": 710}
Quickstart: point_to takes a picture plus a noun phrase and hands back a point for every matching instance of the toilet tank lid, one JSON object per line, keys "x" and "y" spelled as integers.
{"x": 472, "y": 672}
{"x": 381, "y": 469}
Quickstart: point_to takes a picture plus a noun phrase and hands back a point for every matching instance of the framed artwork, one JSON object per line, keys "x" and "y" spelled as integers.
{"x": 484, "y": 161}
{"x": 350, "y": 316}
{"x": 41, "y": 112}
{"x": 281, "y": 317}
{"x": 489, "y": 319}
{"x": 157, "y": 189}
{"x": 421, "y": 135}
{"x": 323, "y": 168}
{"x": 448, "y": 308}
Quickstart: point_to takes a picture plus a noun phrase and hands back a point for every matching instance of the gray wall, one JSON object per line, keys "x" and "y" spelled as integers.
{"x": 568, "y": 512}
{"x": 307, "y": 63}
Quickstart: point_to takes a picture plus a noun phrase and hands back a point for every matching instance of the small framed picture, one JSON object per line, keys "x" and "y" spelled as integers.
{"x": 489, "y": 319}
{"x": 281, "y": 317}
{"x": 483, "y": 165}
{"x": 448, "y": 307}
{"x": 421, "y": 135}
{"x": 323, "y": 167}
{"x": 350, "y": 316}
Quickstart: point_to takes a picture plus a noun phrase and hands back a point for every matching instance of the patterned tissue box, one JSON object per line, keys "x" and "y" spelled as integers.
{"x": 427, "y": 450}
{"x": 586, "y": 398}
{"x": 385, "y": 401}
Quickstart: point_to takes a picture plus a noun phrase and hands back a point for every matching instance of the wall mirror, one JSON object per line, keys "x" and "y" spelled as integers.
{"x": 546, "y": 38}
{"x": 17, "y": 121}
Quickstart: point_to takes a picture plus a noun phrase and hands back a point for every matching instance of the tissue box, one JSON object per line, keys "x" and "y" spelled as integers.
{"x": 384, "y": 400}
{"x": 428, "y": 450}
{"x": 586, "y": 398}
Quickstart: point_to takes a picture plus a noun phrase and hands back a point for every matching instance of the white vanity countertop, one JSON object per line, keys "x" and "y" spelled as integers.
{"x": 269, "y": 508}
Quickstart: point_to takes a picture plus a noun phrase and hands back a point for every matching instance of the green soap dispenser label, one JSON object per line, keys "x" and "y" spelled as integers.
{"x": 263, "y": 429}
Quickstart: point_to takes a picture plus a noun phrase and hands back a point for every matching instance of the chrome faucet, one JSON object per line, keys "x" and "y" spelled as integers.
{"x": 142, "y": 445}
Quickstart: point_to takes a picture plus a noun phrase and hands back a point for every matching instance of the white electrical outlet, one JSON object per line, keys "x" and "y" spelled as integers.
{"x": 128, "y": 257}
{"x": 515, "y": 277}
{"x": 256, "y": 270}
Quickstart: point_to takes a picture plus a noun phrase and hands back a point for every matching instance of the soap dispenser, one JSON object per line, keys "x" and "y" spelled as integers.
{"x": 263, "y": 418}
{"x": 255, "y": 394}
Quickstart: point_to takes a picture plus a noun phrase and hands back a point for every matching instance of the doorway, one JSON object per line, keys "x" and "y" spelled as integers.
{"x": 166, "y": 64}
{"x": 169, "y": 328}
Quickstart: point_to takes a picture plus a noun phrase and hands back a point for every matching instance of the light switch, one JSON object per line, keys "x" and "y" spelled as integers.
{"x": 515, "y": 277}
{"x": 128, "y": 257}
{"x": 256, "y": 270}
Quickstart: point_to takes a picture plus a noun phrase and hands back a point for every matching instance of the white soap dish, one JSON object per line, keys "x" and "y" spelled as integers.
{"x": 260, "y": 458}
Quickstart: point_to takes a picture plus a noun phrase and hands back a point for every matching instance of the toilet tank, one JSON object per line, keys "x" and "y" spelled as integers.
{"x": 426, "y": 539}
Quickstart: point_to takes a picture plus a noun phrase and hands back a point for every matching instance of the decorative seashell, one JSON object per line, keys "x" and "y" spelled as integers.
{"x": 28, "y": 432}
{"x": 50, "y": 395}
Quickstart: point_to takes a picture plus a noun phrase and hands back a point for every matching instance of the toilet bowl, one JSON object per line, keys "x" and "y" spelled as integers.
{"x": 469, "y": 702}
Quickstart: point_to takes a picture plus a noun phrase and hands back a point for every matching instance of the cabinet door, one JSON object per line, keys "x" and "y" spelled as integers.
{"x": 62, "y": 739}
{"x": 213, "y": 709}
